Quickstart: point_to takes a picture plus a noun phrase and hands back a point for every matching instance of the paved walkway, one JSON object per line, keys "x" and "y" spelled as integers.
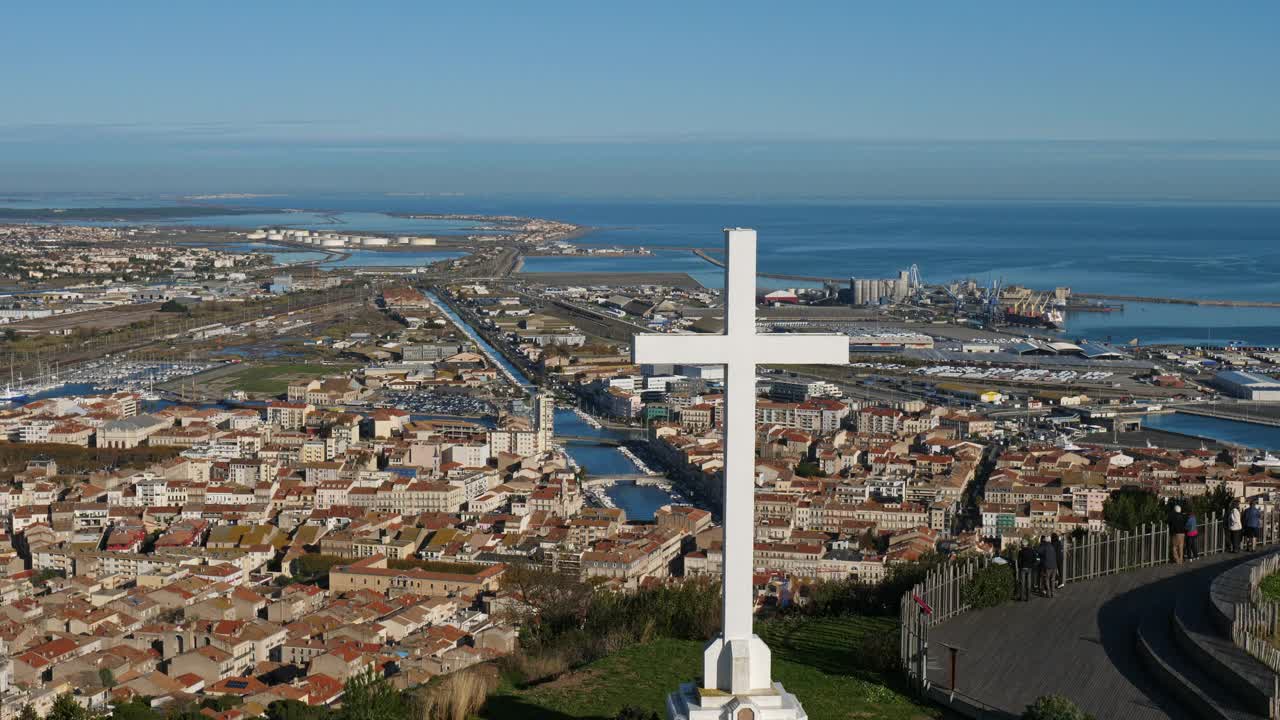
{"x": 1079, "y": 644}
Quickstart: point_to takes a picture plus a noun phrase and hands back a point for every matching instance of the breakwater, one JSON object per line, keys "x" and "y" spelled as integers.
{"x": 1180, "y": 301}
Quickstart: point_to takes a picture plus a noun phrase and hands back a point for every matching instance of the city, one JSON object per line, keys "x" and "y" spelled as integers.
{"x": 830, "y": 361}
{"x": 267, "y": 442}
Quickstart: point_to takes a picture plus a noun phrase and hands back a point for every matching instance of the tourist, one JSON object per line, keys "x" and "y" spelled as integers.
{"x": 1028, "y": 563}
{"x": 1060, "y": 551}
{"x": 1253, "y": 524}
{"x": 1177, "y": 532}
{"x": 1234, "y": 527}
{"x": 1193, "y": 537}
{"x": 1048, "y": 567}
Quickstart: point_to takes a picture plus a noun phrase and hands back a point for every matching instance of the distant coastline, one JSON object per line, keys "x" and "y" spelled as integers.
{"x": 119, "y": 214}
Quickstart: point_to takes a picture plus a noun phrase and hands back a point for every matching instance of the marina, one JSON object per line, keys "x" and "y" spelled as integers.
{"x": 107, "y": 375}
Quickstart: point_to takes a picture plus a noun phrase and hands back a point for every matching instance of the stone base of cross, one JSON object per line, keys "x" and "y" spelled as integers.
{"x": 736, "y": 667}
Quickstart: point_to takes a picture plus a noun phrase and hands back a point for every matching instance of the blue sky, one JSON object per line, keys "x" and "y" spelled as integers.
{"x": 1000, "y": 99}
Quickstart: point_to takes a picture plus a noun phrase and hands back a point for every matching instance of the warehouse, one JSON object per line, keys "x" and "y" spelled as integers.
{"x": 889, "y": 341}
{"x": 1248, "y": 386}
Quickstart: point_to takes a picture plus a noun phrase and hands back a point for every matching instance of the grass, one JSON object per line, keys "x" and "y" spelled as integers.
{"x": 1270, "y": 587}
{"x": 275, "y": 379}
{"x": 817, "y": 659}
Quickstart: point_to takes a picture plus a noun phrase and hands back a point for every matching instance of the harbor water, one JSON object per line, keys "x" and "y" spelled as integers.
{"x": 1263, "y": 437}
{"x": 1186, "y": 250}
{"x": 638, "y": 501}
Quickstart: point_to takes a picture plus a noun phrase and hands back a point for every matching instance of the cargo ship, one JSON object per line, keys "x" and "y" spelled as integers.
{"x": 1045, "y": 318}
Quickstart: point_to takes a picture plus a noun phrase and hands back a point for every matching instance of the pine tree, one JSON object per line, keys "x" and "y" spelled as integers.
{"x": 368, "y": 696}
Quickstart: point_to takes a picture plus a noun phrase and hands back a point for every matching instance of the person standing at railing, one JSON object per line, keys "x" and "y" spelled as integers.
{"x": 1193, "y": 537}
{"x": 1028, "y": 565}
{"x": 1253, "y": 524}
{"x": 1177, "y": 533}
{"x": 1060, "y": 552}
{"x": 1048, "y": 567}
{"x": 1235, "y": 525}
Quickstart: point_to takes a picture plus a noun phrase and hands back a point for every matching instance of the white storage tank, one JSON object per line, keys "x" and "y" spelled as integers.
{"x": 376, "y": 242}
{"x": 421, "y": 241}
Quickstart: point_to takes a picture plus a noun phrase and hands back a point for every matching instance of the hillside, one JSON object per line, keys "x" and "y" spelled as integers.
{"x": 826, "y": 662}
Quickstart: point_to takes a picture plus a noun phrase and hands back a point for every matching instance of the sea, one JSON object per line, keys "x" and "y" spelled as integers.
{"x": 1180, "y": 250}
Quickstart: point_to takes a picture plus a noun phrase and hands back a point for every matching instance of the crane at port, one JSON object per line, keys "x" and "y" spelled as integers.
{"x": 956, "y": 297}
{"x": 993, "y": 299}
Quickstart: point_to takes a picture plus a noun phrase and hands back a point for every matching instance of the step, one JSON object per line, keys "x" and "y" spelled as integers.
{"x": 1227, "y": 589}
{"x": 1182, "y": 677}
{"x": 1200, "y": 638}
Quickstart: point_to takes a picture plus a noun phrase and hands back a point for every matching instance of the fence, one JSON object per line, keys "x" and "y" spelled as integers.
{"x": 1254, "y": 628}
{"x": 939, "y": 596}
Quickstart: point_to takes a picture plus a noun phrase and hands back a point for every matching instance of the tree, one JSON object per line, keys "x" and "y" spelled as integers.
{"x": 809, "y": 469}
{"x": 313, "y": 567}
{"x": 28, "y": 713}
{"x": 551, "y": 602}
{"x": 293, "y": 710}
{"x": 988, "y": 587}
{"x": 173, "y": 306}
{"x": 107, "y": 678}
{"x": 1211, "y": 505}
{"x": 634, "y": 713}
{"x": 222, "y": 703}
{"x": 185, "y": 711}
{"x": 368, "y": 696}
{"x": 136, "y": 708}
{"x": 1054, "y": 707}
{"x": 1129, "y": 508}
{"x": 65, "y": 707}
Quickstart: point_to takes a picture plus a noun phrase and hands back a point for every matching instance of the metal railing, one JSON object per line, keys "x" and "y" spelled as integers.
{"x": 941, "y": 595}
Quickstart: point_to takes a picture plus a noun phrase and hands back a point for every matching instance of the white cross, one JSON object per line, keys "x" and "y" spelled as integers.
{"x": 740, "y": 349}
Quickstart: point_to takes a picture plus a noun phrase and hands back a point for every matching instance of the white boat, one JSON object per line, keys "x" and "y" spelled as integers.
{"x": 11, "y": 395}
{"x": 1268, "y": 461}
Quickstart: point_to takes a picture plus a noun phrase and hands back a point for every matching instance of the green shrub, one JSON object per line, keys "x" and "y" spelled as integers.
{"x": 990, "y": 586}
{"x": 878, "y": 652}
{"x": 1054, "y": 707}
{"x": 1270, "y": 587}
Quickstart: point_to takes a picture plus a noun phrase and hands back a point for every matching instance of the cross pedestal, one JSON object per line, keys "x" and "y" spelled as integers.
{"x": 736, "y": 666}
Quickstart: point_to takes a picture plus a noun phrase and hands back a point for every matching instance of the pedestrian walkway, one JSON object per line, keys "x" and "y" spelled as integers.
{"x": 1080, "y": 644}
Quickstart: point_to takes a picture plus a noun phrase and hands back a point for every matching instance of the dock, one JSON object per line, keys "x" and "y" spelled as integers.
{"x": 1255, "y": 419}
{"x": 1180, "y": 301}
{"x": 775, "y": 276}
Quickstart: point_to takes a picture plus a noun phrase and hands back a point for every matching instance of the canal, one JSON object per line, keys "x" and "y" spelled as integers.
{"x": 638, "y": 501}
